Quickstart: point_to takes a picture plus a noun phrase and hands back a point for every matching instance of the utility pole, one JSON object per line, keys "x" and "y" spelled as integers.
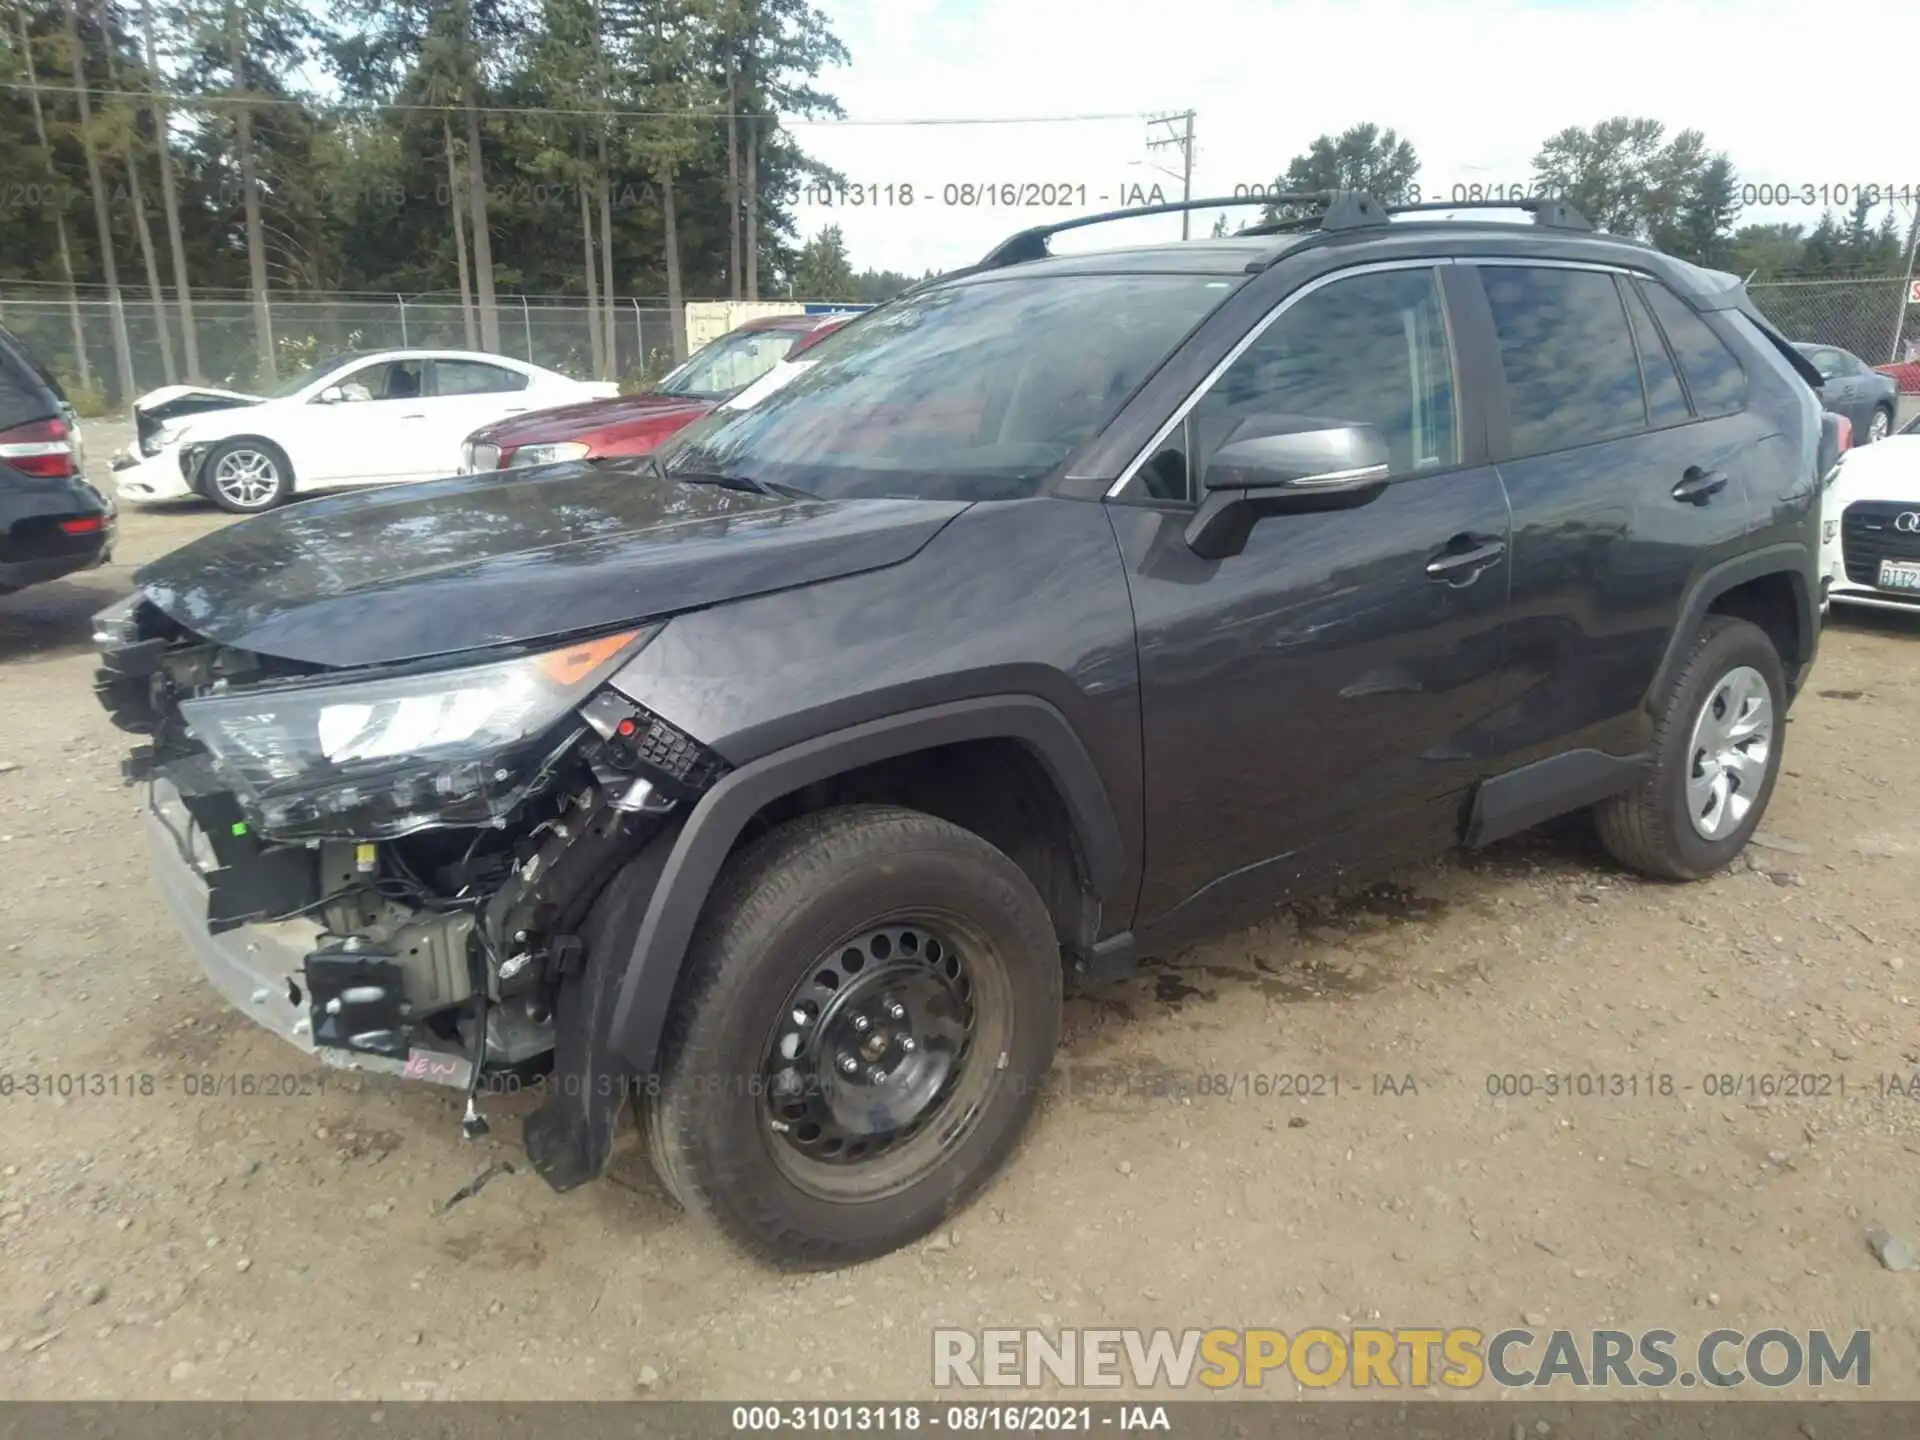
{"x": 1179, "y": 133}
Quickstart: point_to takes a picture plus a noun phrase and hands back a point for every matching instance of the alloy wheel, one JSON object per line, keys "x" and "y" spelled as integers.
{"x": 247, "y": 479}
{"x": 1732, "y": 742}
{"x": 1878, "y": 427}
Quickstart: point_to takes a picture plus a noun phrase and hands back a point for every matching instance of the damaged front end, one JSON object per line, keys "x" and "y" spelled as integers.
{"x": 395, "y": 868}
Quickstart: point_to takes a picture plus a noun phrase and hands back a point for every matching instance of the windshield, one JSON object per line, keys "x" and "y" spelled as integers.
{"x": 286, "y": 389}
{"x": 968, "y": 392}
{"x": 729, "y": 364}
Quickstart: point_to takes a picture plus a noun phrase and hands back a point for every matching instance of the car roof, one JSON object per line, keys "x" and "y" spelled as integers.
{"x": 1408, "y": 235}
{"x": 433, "y": 353}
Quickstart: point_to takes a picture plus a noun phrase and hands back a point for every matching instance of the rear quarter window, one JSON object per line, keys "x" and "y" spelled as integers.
{"x": 1715, "y": 381}
{"x": 27, "y": 392}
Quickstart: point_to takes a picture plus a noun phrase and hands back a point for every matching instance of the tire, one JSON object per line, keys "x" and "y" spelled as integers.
{"x": 1652, "y": 828}
{"x": 792, "y": 909}
{"x": 1880, "y": 425}
{"x": 262, "y": 477}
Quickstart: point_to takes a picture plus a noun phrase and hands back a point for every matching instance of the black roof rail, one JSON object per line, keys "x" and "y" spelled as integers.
{"x": 1345, "y": 210}
{"x": 1340, "y": 210}
{"x": 1031, "y": 244}
{"x": 1553, "y": 214}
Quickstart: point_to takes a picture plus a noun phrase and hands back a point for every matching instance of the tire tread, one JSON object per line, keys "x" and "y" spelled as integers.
{"x": 1637, "y": 827}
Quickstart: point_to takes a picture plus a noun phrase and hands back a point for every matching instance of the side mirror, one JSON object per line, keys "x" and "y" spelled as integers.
{"x": 332, "y": 395}
{"x": 1280, "y": 465}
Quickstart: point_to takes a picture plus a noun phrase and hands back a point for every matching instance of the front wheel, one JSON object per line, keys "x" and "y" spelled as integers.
{"x": 1880, "y": 426}
{"x": 869, "y": 1014}
{"x": 1716, "y": 755}
{"x": 247, "y": 476}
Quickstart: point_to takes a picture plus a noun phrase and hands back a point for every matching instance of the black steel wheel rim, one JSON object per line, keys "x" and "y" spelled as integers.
{"x": 882, "y": 1056}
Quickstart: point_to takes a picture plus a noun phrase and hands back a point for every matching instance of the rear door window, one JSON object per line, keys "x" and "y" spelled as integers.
{"x": 474, "y": 377}
{"x": 1715, "y": 382}
{"x": 1572, "y": 375}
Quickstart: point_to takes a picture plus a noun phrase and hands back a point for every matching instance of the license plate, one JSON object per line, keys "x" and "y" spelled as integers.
{"x": 1897, "y": 576}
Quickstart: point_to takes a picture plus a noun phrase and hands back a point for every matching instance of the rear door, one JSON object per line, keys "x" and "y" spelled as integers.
{"x": 1867, "y": 391}
{"x": 1621, "y": 431}
{"x": 1839, "y": 381}
{"x": 467, "y": 395}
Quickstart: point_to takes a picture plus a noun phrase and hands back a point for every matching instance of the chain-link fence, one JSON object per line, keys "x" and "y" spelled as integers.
{"x": 1870, "y": 318}
{"x": 548, "y": 331}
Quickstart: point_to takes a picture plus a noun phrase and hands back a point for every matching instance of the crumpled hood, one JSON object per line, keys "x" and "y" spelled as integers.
{"x": 168, "y": 397}
{"x": 175, "y": 402}
{"x": 511, "y": 556}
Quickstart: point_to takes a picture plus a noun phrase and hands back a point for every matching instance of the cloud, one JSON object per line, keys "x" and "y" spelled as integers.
{"x": 1475, "y": 87}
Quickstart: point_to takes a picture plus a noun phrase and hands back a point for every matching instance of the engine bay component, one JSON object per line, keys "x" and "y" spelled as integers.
{"x": 358, "y": 1001}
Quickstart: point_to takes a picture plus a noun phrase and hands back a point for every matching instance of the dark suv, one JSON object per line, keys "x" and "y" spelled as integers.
{"x": 1069, "y": 608}
{"x": 52, "y": 522}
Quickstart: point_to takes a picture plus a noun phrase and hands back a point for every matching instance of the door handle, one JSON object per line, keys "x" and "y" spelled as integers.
{"x": 418, "y": 415}
{"x": 1698, "y": 486}
{"x": 1464, "y": 557}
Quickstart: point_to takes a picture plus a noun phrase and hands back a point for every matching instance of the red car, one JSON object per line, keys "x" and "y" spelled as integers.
{"x": 1905, "y": 374}
{"x": 635, "y": 424}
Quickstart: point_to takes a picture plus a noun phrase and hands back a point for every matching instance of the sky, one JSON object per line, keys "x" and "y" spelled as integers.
{"x": 1475, "y": 86}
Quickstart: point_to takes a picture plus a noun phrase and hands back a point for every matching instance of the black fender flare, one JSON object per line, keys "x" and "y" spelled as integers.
{"x": 1790, "y": 558}
{"x": 704, "y": 840}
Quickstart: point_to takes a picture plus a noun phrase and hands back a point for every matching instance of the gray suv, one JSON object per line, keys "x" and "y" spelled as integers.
{"x": 1069, "y": 608}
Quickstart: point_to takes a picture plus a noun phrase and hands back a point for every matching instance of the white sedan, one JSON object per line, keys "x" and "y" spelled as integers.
{"x": 368, "y": 418}
{"x": 1870, "y": 531}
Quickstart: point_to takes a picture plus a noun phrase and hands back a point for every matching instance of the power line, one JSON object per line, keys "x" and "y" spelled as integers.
{"x": 1181, "y": 139}
{"x": 613, "y": 112}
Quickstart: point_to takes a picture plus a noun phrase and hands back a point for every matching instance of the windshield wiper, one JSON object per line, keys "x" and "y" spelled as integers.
{"x": 734, "y": 481}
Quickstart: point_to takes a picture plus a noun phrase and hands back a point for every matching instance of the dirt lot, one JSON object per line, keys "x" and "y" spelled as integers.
{"x": 174, "y": 1244}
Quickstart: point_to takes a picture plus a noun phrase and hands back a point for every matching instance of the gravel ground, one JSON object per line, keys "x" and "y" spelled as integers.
{"x": 175, "y": 1244}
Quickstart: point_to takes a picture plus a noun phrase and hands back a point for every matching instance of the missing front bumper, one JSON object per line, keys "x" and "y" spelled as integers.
{"x": 261, "y": 969}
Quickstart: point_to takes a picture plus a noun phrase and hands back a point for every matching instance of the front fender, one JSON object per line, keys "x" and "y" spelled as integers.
{"x": 703, "y": 843}
{"x": 611, "y": 1012}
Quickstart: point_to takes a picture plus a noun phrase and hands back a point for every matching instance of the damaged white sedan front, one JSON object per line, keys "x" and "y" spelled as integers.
{"x": 358, "y": 418}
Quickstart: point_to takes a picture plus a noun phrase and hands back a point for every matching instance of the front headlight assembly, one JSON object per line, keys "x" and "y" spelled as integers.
{"x": 379, "y": 758}
{"x": 528, "y": 455}
{"x": 161, "y": 438}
